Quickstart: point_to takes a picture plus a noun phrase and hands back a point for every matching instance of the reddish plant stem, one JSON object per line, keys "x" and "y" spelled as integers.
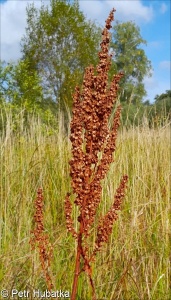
{"x": 77, "y": 264}
{"x": 93, "y": 288}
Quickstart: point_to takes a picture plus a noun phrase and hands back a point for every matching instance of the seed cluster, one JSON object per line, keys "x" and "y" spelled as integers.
{"x": 106, "y": 223}
{"x": 41, "y": 239}
{"x": 91, "y": 136}
{"x": 93, "y": 144}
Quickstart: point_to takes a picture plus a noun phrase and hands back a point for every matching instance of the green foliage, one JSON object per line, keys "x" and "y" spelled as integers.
{"x": 11, "y": 113}
{"x": 19, "y": 86}
{"x": 163, "y": 103}
{"x": 146, "y": 113}
{"x": 7, "y": 84}
{"x": 20, "y": 90}
{"x": 133, "y": 114}
{"x": 131, "y": 58}
{"x": 162, "y": 107}
{"x": 59, "y": 43}
{"x": 163, "y": 96}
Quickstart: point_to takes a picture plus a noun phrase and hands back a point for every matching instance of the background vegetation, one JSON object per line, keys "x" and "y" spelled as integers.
{"x": 59, "y": 43}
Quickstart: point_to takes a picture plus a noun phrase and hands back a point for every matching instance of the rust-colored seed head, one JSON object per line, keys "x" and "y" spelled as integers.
{"x": 40, "y": 239}
{"x": 93, "y": 144}
{"x": 90, "y": 135}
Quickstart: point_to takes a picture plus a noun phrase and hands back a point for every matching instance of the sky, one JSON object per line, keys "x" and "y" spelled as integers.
{"x": 152, "y": 16}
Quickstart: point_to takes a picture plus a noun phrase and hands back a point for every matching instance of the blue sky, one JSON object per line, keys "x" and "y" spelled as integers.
{"x": 152, "y": 16}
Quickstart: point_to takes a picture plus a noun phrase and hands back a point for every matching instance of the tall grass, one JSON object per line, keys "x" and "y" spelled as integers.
{"x": 135, "y": 264}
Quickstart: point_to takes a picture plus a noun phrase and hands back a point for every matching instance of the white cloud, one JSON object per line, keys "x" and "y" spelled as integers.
{"x": 126, "y": 10}
{"x": 163, "y": 8}
{"x": 13, "y": 23}
{"x": 12, "y": 27}
{"x": 155, "y": 44}
{"x": 165, "y": 64}
{"x": 151, "y": 83}
{"x": 155, "y": 86}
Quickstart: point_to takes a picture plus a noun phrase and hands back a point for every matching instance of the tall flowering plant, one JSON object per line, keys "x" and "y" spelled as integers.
{"x": 93, "y": 145}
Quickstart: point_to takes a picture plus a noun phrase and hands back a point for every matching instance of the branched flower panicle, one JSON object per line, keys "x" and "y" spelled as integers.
{"x": 106, "y": 224}
{"x": 90, "y": 134}
{"x": 41, "y": 239}
{"x": 93, "y": 144}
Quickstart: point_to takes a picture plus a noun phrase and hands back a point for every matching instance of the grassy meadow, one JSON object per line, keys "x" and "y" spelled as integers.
{"x": 135, "y": 265}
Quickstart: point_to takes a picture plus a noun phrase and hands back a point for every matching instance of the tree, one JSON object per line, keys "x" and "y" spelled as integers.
{"x": 6, "y": 82}
{"x": 21, "y": 91}
{"x": 163, "y": 96}
{"x": 19, "y": 86}
{"x": 59, "y": 43}
{"x": 131, "y": 59}
{"x": 162, "y": 105}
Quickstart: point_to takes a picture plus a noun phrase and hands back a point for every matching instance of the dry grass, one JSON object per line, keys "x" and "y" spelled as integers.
{"x": 136, "y": 263}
